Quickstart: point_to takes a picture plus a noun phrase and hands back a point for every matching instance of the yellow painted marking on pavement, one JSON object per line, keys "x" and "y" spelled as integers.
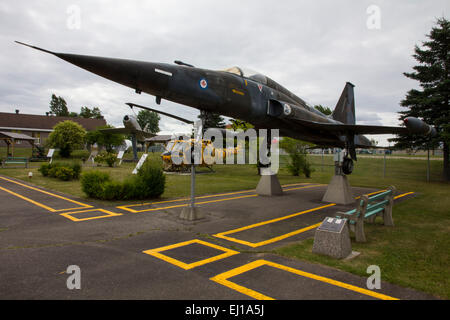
{"x": 28, "y": 199}
{"x": 156, "y": 253}
{"x": 223, "y": 235}
{"x": 223, "y": 279}
{"x": 126, "y": 207}
{"x": 275, "y": 239}
{"x": 203, "y": 202}
{"x": 108, "y": 214}
{"x": 83, "y": 205}
{"x": 315, "y": 185}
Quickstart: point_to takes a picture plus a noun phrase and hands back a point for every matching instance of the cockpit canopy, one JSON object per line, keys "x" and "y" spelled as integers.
{"x": 248, "y": 73}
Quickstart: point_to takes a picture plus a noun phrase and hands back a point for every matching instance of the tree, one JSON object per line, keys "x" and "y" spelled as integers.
{"x": 67, "y": 136}
{"x": 58, "y": 106}
{"x": 325, "y": 110}
{"x": 211, "y": 120}
{"x": 297, "y": 154}
{"x": 105, "y": 139}
{"x": 95, "y": 113}
{"x": 431, "y": 101}
{"x": 240, "y": 124}
{"x": 148, "y": 120}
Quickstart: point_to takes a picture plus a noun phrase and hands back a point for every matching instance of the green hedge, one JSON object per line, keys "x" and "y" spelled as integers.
{"x": 61, "y": 171}
{"x": 149, "y": 182}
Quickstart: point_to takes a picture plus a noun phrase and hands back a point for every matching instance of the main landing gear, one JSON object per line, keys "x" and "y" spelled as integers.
{"x": 347, "y": 165}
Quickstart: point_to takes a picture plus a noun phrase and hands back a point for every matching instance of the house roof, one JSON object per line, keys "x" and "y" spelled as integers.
{"x": 160, "y": 138}
{"x": 15, "y": 136}
{"x": 42, "y": 122}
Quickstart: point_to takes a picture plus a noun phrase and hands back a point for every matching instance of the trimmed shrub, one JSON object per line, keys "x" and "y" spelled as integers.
{"x": 61, "y": 171}
{"x": 112, "y": 190}
{"x": 45, "y": 167}
{"x": 148, "y": 183}
{"x": 76, "y": 167}
{"x": 92, "y": 183}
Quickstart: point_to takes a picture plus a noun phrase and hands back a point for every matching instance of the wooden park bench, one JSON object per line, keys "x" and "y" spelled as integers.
{"x": 368, "y": 208}
{"x": 15, "y": 160}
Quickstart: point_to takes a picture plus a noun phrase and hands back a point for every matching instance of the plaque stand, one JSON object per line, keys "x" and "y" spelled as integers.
{"x": 332, "y": 239}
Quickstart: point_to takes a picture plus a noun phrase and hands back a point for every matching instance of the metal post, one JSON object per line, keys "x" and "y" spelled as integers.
{"x": 192, "y": 185}
{"x": 321, "y": 168}
{"x": 134, "y": 145}
{"x": 428, "y": 165}
{"x": 384, "y": 164}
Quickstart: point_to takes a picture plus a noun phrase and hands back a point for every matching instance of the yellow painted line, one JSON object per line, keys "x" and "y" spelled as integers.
{"x": 108, "y": 214}
{"x": 238, "y": 92}
{"x": 156, "y": 253}
{"x": 29, "y": 200}
{"x": 223, "y": 279}
{"x": 83, "y": 205}
{"x": 223, "y": 235}
{"x": 127, "y": 207}
{"x": 203, "y": 202}
{"x": 315, "y": 185}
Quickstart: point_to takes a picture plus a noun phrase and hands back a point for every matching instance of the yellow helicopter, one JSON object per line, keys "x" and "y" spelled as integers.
{"x": 182, "y": 150}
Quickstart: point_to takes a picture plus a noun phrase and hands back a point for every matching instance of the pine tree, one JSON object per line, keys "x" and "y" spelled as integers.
{"x": 148, "y": 120}
{"x": 431, "y": 101}
{"x": 325, "y": 110}
{"x": 211, "y": 120}
{"x": 58, "y": 106}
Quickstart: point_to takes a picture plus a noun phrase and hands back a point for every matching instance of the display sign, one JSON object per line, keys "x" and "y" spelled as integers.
{"x": 50, "y": 153}
{"x": 332, "y": 224}
{"x": 140, "y": 163}
{"x": 120, "y": 156}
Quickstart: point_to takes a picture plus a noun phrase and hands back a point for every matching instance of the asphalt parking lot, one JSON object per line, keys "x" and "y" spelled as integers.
{"x": 143, "y": 251}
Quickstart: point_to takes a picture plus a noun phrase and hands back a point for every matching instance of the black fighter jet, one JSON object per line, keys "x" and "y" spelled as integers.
{"x": 248, "y": 96}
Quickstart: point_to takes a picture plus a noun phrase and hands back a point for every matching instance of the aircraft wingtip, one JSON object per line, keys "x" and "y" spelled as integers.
{"x": 33, "y": 47}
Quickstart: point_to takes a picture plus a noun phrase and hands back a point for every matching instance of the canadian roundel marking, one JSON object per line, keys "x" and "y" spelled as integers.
{"x": 203, "y": 83}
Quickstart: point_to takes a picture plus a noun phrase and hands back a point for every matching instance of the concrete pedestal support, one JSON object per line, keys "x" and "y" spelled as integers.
{"x": 268, "y": 184}
{"x": 339, "y": 191}
{"x": 191, "y": 213}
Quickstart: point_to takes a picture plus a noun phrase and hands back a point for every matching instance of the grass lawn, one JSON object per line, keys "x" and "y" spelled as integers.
{"x": 415, "y": 253}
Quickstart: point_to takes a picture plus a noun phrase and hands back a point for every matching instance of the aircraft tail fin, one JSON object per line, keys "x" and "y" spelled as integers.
{"x": 345, "y": 108}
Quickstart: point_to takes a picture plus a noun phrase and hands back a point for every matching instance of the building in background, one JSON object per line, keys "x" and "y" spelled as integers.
{"x": 39, "y": 126}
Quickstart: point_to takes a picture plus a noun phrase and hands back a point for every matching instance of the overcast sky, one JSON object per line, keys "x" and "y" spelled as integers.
{"x": 310, "y": 47}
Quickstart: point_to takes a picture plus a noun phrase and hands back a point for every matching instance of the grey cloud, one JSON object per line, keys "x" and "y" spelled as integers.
{"x": 311, "y": 48}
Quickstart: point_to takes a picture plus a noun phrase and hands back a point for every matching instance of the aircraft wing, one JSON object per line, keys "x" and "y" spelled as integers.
{"x": 146, "y": 134}
{"x": 117, "y": 130}
{"x": 140, "y": 133}
{"x": 413, "y": 126}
